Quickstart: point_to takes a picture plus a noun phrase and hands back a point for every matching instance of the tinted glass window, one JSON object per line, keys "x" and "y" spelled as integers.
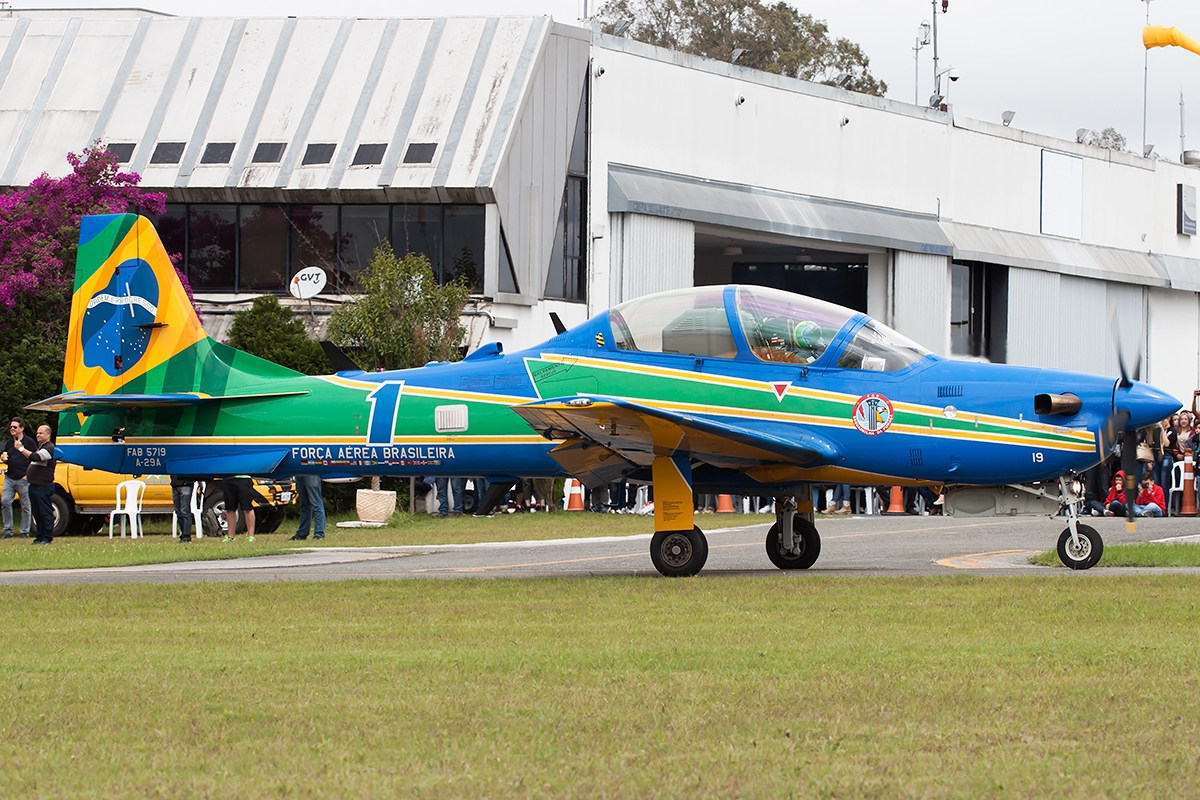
{"x": 167, "y": 153}
{"x": 263, "y": 253}
{"x": 172, "y": 230}
{"x": 420, "y": 153}
{"x": 418, "y": 229}
{"x": 212, "y": 246}
{"x": 687, "y": 321}
{"x": 217, "y": 153}
{"x": 369, "y": 154}
{"x": 463, "y": 254}
{"x": 364, "y": 228}
{"x": 878, "y": 348}
{"x": 268, "y": 153}
{"x": 318, "y": 154}
{"x": 314, "y": 234}
{"x": 781, "y": 326}
{"x": 122, "y": 150}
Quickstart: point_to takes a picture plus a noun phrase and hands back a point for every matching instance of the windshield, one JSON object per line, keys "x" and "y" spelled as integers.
{"x": 687, "y": 322}
{"x": 879, "y": 348}
{"x": 782, "y": 326}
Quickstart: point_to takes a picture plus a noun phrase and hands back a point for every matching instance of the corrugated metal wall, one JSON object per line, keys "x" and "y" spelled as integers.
{"x": 1065, "y": 322}
{"x": 650, "y": 254}
{"x": 530, "y": 180}
{"x": 921, "y": 299}
{"x": 1174, "y": 326}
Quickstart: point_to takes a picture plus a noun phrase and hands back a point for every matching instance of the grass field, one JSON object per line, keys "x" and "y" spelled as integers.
{"x": 1140, "y": 554}
{"x": 731, "y": 687}
{"x": 73, "y": 552}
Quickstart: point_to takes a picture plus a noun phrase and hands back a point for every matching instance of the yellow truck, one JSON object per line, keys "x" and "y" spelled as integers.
{"x": 84, "y": 497}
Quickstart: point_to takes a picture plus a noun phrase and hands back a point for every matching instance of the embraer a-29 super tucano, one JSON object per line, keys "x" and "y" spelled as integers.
{"x": 723, "y": 389}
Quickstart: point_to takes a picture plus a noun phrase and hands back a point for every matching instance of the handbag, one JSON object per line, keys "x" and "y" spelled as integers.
{"x": 1144, "y": 453}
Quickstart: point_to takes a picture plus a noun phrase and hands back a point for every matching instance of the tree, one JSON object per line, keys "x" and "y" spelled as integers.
{"x": 1108, "y": 138}
{"x": 39, "y": 236}
{"x": 777, "y": 38}
{"x": 271, "y": 331}
{"x": 405, "y": 318}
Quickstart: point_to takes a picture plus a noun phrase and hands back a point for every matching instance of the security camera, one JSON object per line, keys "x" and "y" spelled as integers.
{"x": 845, "y": 121}
{"x": 953, "y": 75}
{"x": 741, "y": 100}
{"x": 599, "y": 71}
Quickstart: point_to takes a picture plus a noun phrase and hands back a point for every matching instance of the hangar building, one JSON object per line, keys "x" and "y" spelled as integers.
{"x": 559, "y": 169}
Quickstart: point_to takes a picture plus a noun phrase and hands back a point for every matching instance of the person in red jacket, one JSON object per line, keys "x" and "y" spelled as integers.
{"x": 1114, "y": 504}
{"x": 1150, "y": 502}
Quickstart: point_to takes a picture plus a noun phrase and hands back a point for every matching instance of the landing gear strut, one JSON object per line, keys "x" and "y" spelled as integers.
{"x": 1079, "y": 546}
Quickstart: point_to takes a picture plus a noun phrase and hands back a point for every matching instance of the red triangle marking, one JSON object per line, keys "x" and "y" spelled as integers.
{"x": 780, "y": 388}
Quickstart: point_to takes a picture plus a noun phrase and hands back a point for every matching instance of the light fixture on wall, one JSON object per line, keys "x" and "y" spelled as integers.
{"x": 731, "y": 249}
{"x": 1007, "y": 117}
{"x": 621, "y": 27}
{"x": 737, "y": 54}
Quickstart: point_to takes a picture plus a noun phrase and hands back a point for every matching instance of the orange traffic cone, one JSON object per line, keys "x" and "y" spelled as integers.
{"x": 1189, "y": 488}
{"x": 724, "y": 504}
{"x": 896, "y": 506}
{"x": 574, "y": 492}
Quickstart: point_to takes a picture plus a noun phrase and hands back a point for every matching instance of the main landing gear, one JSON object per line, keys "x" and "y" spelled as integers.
{"x": 793, "y": 541}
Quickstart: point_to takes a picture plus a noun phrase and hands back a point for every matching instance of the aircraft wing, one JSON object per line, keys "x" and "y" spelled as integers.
{"x": 636, "y": 433}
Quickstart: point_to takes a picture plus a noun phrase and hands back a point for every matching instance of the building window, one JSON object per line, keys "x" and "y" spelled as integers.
{"x": 462, "y": 258}
{"x": 122, "y": 150}
{"x": 368, "y": 155}
{"x": 978, "y": 310}
{"x": 217, "y": 153}
{"x": 263, "y": 231}
{"x": 567, "y": 276}
{"x": 318, "y": 154}
{"x": 268, "y": 153}
{"x": 420, "y": 153}
{"x": 258, "y": 247}
{"x": 212, "y": 247}
{"x": 167, "y": 153}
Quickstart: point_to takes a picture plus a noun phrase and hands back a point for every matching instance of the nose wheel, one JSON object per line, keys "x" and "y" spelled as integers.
{"x": 1083, "y": 551}
{"x": 678, "y": 554}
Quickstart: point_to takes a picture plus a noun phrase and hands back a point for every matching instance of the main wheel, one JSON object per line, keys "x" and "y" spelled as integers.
{"x": 213, "y": 516}
{"x": 1086, "y": 554}
{"x": 678, "y": 554}
{"x": 809, "y": 540}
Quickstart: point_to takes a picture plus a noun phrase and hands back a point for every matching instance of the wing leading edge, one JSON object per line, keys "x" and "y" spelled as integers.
{"x": 610, "y": 437}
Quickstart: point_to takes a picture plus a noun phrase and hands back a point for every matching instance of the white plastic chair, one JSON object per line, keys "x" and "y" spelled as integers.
{"x": 1176, "y": 485}
{"x": 133, "y": 492}
{"x": 196, "y": 506}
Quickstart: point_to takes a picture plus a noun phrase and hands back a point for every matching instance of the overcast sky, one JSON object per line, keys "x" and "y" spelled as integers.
{"x": 1059, "y": 64}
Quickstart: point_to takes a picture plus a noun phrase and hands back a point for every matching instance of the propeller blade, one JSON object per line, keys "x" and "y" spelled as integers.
{"x": 1129, "y": 465}
{"x": 1111, "y": 430}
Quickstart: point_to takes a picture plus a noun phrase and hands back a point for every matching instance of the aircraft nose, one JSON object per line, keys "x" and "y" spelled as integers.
{"x": 1146, "y": 404}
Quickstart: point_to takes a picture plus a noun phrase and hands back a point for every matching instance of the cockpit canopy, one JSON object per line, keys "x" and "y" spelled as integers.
{"x": 772, "y": 325}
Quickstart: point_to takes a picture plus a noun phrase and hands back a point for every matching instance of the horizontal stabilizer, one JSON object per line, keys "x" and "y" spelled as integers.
{"x": 639, "y": 433}
{"x": 91, "y": 403}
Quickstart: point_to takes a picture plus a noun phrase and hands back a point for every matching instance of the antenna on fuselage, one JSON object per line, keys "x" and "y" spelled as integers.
{"x": 559, "y": 328}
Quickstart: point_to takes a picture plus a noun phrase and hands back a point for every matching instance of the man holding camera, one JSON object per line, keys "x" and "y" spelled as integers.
{"x": 1150, "y": 501}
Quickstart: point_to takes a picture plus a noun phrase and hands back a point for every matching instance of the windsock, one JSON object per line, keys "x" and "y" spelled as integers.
{"x": 1159, "y": 36}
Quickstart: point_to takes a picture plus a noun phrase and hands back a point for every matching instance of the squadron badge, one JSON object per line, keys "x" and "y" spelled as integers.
{"x": 873, "y": 414}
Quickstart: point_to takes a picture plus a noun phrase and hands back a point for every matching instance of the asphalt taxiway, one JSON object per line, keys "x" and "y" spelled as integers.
{"x": 862, "y": 546}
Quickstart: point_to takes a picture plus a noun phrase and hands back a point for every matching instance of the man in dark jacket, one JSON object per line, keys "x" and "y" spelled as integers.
{"x": 14, "y": 478}
{"x": 41, "y": 484}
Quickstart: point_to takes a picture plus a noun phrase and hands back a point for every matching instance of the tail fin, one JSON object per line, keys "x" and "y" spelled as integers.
{"x": 133, "y": 331}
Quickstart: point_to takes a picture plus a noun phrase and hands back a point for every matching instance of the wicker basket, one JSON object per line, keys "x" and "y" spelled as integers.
{"x": 375, "y": 506}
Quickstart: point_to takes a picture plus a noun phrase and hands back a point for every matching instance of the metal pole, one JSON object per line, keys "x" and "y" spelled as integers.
{"x": 1145, "y": 79}
{"x": 1182, "y": 131}
{"x": 917, "y": 72}
{"x": 936, "y": 81}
